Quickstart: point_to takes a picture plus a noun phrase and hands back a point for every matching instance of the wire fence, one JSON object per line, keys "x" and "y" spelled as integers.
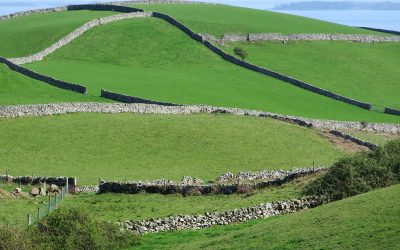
{"x": 52, "y": 204}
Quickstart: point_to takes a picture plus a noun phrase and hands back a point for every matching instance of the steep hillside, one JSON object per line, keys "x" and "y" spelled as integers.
{"x": 221, "y": 19}
{"x": 148, "y": 147}
{"x": 149, "y": 58}
{"x": 19, "y": 89}
{"x": 366, "y": 72}
{"x": 25, "y": 35}
{"x": 367, "y": 221}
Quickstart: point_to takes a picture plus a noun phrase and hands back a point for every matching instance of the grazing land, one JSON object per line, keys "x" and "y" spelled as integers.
{"x": 350, "y": 69}
{"x": 222, "y": 19}
{"x": 122, "y": 207}
{"x": 147, "y": 147}
{"x": 156, "y": 61}
{"x": 19, "y": 89}
{"x": 25, "y": 35}
{"x": 357, "y": 222}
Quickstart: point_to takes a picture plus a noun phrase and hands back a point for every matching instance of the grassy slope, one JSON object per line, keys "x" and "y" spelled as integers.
{"x": 148, "y": 147}
{"x": 25, "y": 35}
{"x": 18, "y": 89}
{"x": 367, "y": 221}
{"x": 122, "y": 207}
{"x": 221, "y": 19}
{"x": 13, "y": 211}
{"x": 149, "y": 58}
{"x": 367, "y": 72}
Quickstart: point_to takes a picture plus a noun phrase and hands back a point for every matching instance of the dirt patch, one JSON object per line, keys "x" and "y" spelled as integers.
{"x": 343, "y": 144}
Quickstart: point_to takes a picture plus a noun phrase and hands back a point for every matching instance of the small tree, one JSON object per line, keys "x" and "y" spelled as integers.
{"x": 240, "y": 52}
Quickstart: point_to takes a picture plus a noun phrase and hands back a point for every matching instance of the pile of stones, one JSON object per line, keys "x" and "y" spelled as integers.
{"x": 181, "y": 222}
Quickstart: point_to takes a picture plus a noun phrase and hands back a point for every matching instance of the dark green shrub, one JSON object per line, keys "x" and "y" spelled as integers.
{"x": 240, "y": 52}
{"x": 12, "y": 238}
{"x": 359, "y": 173}
{"x": 76, "y": 229}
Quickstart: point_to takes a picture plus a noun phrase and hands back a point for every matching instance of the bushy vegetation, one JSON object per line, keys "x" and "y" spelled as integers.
{"x": 67, "y": 229}
{"x": 360, "y": 173}
{"x": 240, "y": 52}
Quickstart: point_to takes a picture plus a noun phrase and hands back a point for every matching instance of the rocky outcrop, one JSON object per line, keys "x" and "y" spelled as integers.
{"x": 14, "y": 111}
{"x": 43, "y": 78}
{"x": 257, "y": 37}
{"x": 76, "y": 33}
{"x": 184, "y": 222}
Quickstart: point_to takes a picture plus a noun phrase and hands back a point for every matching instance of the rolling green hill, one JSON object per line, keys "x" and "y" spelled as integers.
{"x": 149, "y": 58}
{"x": 221, "y": 19}
{"x": 25, "y": 35}
{"x": 366, "y": 221}
{"x": 366, "y": 72}
{"x": 147, "y": 147}
{"x": 19, "y": 89}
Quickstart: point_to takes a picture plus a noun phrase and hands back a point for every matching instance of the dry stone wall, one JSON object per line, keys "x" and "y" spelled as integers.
{"x": 31, "y": 12}
{"x": 354, "y": 139}
{"x": 257, "y": 37}
{"x": 76, "y": 33}
{"x": 35, "y": 180}
{"x": 191, "y": 187}
{"x": 43, "y": 78}
{"x": 14, "y": 111}
{"x": 393, "y": 32}
{"x": 131, "y": 99}
{"x": 392, "y": 111}
{"x": 182, "y": 222}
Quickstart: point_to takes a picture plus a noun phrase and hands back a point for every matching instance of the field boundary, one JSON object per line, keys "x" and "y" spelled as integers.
{"x": 226, "y": 56}
{"x": 238, "y": 215}
{"x": 43, "y": 78}
{"x": 131, "y": 99}
{"x": 14, "y": 111}
{"x": 392, "y": 111}
{"x": 257, "y": 37}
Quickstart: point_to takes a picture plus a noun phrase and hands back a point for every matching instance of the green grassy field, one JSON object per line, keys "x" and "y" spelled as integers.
{"x": 147, "y": 147}
{"x": 25, "y": 35}
{"x": 347, "y": 68}
{"x": 221, "y": 19}
{"x": 16, "y": 88}
{"x": 366, "y": 221}
{"x": 122, "y": 207}
{"x": 14, "y": 211}
{"x": 157, "y": 61}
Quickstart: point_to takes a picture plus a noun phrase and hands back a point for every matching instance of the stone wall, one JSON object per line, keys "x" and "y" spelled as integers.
{"x": 392, "y": 111}
{"x": 360, "y": 38}
{"x": 393, "y": 32}
{"x": 31, "y": 12}
{"x": 13, "y": 111}
{"x": 131, "y": 99}
{"x": 76, "y": 33}
{"x": 43, "y": 78}
{"x": 186, "y": 187}
{"x": 182, "y": 222}
{"x": 35, "y": 180}
{"x": 103, "y": 7}
{"x": 354, "y": 139}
